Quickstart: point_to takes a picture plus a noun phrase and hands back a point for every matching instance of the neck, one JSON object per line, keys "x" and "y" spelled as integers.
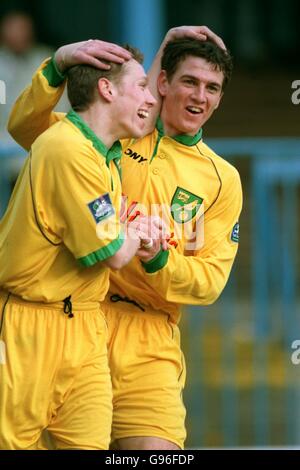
{"x": 99, "y": 120}
{"x": 168, "y": 130}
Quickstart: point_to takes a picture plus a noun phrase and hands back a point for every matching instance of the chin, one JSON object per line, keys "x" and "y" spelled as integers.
{"x": 189, "y": 128}
{"x": 137, "y": 133}
{"x": 190, "y": 131}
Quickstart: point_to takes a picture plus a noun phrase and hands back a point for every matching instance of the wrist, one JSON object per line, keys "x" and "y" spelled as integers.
{"x": 157, "y": 262}
{"x": 53, "y": 75}
{"x": 60, "y": 61}
{"x": 170, "y": 36}
{"x": 149, "y": 257}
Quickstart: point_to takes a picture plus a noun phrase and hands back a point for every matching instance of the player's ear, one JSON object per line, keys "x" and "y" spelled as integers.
{"x": 162, "y": 83}
{"x": 105, "y": 89}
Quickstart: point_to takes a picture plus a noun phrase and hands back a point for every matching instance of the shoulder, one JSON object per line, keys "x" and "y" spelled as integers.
{"x": 226, "y": 171}
{"x": 59, "y": 137}
{"x": 63, "y": 144}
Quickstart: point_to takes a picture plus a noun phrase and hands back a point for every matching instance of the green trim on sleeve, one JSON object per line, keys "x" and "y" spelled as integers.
{"x": 54, "y": 76}
{"x": 103, "y": 253}
{"x": 156, "y": 263}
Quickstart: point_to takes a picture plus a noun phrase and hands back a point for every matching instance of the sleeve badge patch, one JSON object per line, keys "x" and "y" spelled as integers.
{"x": 101, "y": 208}
{"x": 235, "y": 234}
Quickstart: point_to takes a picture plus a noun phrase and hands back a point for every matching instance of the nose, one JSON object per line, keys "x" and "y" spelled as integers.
{"x": 151, "y": 101}
{"x": 200, "y": 93}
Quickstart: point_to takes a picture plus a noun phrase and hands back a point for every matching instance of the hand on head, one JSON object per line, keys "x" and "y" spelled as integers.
{"x": 201, "y": 33}
{"x": 92, "y": 52}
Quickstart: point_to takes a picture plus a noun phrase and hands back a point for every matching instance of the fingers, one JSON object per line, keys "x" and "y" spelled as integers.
{"x": 160, "y": 225}
{"x": 164, "y": 244}
{"x": 95, "y": 51}
{"x": 84, "y": 58}
{"x": 147, "y": 244}
{"x": 147, "y": 228}
{"x": 152, "y": 233}
{"x": 204, "y": 30}
{"x": 157, "y": 228}
{"x": 116, "y": 52}
{"x": 148, "y": 254}
{"x": 201, "y": 33}
{"x": 92, "y": 52}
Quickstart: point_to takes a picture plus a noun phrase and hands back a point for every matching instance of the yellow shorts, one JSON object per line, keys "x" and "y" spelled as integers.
{"x": 148, "y": 373}
{"x": 53, "y": 374}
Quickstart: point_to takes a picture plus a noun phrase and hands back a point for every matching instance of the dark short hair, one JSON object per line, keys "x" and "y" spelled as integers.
{"x": 179, "y": 49}
{"x": 83, "y": 79}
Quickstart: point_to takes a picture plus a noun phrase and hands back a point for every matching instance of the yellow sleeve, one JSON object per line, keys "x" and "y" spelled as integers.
{"x": 76, "y": 202}
{"x": 33, "y": 113}
{"x": 200, "y": 279}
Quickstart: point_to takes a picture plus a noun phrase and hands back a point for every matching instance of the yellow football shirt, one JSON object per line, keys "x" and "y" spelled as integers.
{"x": 63, "y": 217}
{"x": 197, "y": 192}
{"x": 200, "y": 198}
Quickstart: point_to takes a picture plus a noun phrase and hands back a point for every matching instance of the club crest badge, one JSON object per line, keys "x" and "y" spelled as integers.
{"x": 184, "y": 205}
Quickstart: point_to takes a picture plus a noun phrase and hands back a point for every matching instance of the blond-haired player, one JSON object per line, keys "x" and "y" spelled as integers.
{"x": 59, "y": 236}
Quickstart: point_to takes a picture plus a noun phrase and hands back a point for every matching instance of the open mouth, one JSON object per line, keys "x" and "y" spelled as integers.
{"x": 143, "y": 113}
{"x": 194, "y": 110}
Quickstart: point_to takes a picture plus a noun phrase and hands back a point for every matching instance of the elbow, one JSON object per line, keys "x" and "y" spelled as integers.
{"x": 214, "y": 286}
{"x": 15, "y": 133}
{"x": 212, "y": 296}
{"x": 13, "y": 124}
{"x": 213, "y": 292}
{"x": 10, "y": 129}
{"x": 20, "y": 134}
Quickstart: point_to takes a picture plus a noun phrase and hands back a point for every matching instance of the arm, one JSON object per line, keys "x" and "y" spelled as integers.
{"x": 199, "y": 279}
{"x": 124, "y": 254}
{"x": 33, "y": 112}
{"x": 88, "y": 223}
{"x": 140, "y": 233}
{"x": 94, "y": 210}
{"x": 201, "y": 33}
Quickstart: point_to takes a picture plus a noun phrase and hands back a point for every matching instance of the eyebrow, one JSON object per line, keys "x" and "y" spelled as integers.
{"x": 143, "y": 79}
{"x": 193, "y": 77}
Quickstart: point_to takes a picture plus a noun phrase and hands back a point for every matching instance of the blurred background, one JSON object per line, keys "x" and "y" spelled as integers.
{"x": 243, "y": 388}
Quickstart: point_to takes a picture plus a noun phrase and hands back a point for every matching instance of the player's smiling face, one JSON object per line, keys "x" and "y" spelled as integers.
{"x": 134, "y": 101}
{"x": 191, "y": 96}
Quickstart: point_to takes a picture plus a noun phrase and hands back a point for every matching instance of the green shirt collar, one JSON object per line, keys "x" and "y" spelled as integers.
{"x": 184, "y": 139}
{"x": 115, "y": 151}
